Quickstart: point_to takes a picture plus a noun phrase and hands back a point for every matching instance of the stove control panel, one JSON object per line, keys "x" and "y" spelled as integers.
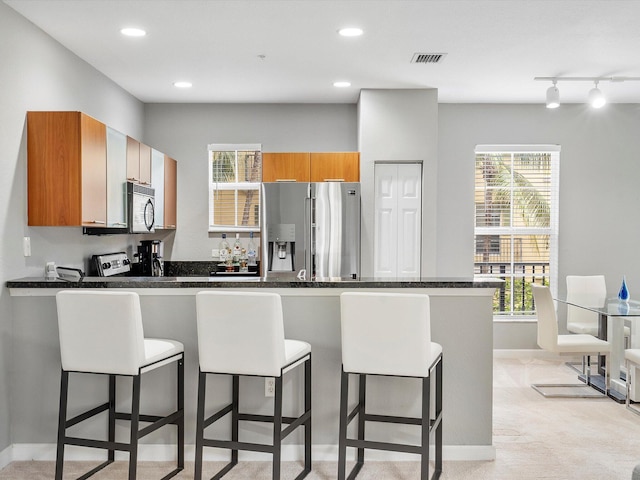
{"x": 110, "y": 264}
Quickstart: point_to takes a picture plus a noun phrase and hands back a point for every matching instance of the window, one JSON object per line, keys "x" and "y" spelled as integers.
{"x": 235, "y": 172}
{"x": 516, "y": 222}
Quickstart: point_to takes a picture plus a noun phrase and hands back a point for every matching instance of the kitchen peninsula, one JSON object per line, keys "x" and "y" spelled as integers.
{"x": 461, "y": 316}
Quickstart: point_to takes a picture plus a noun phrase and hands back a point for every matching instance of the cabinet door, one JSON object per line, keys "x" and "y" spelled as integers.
{"x": 290, "y": 166}
{"x": 117, "y": 147}
{"x": 93, "y": 146}
{"x": 170, "y": 192}
{"x": 133, "y": 160}
{"x": 54, "y": 169}
{"x": 157, "y": 182}
{"x": 335, "y": 166}
{"x": 138, "y": 162}
{"x": 145, "y": 164}
{"x": 66, "y": 169}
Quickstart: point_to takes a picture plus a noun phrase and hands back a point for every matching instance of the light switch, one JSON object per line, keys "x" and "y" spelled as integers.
{"x": 26, "y": 246}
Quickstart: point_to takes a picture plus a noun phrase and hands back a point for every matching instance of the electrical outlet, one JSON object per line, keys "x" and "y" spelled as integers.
{"x": 215, "y": 252}
{"x": 269, "y": 387}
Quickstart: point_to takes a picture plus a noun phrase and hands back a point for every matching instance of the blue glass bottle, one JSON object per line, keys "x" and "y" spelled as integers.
{"x": 623, "y": 294}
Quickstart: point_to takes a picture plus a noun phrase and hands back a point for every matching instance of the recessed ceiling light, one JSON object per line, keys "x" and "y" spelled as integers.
{"x": 133, "y": 32}
{"x": 350, "y": 32}
{"x": 341, "y": 84}
{"x": 182, "y": 84}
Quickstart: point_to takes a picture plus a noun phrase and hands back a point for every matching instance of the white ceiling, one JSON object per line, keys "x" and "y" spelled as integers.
{"x": 494, "y": 47}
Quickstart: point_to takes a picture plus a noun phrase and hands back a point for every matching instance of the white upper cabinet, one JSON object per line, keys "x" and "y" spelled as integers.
{"x": 116, "y": 178}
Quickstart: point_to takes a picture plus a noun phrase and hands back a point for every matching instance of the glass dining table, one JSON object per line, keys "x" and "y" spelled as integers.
{"x": 612, "y": 313}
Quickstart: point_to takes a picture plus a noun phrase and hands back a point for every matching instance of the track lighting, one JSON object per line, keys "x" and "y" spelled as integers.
{"x": 553, "y": 96}
{"x": 595, "y": 98}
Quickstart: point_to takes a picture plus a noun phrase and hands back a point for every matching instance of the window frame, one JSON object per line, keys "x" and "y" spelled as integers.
{"x": 552, "y": 230}
{"x": 231, "y": 186}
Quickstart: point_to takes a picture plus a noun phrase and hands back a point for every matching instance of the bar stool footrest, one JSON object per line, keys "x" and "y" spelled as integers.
{"x": 95, "y": 470}
{"x": 391, "y": 447}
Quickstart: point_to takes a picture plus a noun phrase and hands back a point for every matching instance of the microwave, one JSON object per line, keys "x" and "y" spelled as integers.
{"x": 141, "y": 206}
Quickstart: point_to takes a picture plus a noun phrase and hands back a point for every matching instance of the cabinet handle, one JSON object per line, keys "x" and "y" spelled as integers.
{"x": 333, "y": 180}
{"x": 133, "y": 179}
{"x": 99, "y": 222}
{"x": 285, "y": 179}
{"x": 120, "y": 223}
{"x": 170, "y": 226}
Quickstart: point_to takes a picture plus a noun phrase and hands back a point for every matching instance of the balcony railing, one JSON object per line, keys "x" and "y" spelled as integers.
{"x": 514, "y": 297}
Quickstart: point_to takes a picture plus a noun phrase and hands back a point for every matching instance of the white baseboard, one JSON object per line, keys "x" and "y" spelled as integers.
{"x": 532, "y": 353}
{"x": 159, "y": 453}
{"x": 6, "y": 457}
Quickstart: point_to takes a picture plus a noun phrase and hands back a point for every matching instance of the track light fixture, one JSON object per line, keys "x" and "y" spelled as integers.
{"x": 553, "y": 96}
{"x": 596, "y": 98}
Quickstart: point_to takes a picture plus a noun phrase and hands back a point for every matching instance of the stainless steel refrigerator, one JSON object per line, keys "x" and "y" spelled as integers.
{"x": 311, "y": 230}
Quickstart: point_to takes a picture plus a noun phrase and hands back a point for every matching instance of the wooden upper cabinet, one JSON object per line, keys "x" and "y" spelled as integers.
{"x": 335, "y": 166}
{"x": 133, "y": 159}
{"x": 145, "y": 164}
{"x": 282, "y": 167}
{"x": 138, "y": 162}
{"x": 66, "y": 169}
{"x": 170, "y": 192}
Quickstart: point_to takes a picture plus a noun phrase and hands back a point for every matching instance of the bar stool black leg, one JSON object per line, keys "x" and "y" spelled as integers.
{"x": 342, "y": 440}
{"x": 235, "y": 416}
{"x": 277, "y": 428}
{"x": 62, "y": 420}
{"x": 438, "y": 439}
{"x": 426, "y": 421}
{"x": 181, "y": 409}
{"x": 307, "y": 408}
{"x": 112, "y": 416}
{"x": 135, "y": 420}
{"x": 202, "y": 387}
{"x": 362, "y": 396}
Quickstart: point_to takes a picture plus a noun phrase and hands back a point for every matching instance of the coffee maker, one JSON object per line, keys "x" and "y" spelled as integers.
{"x": 150, "y": 263}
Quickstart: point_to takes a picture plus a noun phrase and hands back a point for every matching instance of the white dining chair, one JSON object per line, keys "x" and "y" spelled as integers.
{"x": 632, "y": 361}
{"x": 584, "y": 345}
{"x": 587, "y": 290}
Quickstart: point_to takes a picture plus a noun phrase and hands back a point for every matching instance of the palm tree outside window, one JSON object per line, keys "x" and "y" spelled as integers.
{"x": 516, "y": 222}
{"x": 235, "y": 173}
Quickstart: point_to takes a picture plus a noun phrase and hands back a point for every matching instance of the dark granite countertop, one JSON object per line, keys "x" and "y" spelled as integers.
{"x": 251, "y": 282}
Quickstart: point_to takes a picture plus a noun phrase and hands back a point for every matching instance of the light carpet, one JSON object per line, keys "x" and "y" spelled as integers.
{"x": 535, "y": 438}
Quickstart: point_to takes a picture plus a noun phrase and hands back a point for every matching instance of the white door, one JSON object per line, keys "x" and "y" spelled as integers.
{"x": 398, "y": 219}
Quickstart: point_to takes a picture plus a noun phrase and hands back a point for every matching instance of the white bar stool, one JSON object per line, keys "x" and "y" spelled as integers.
{"x": 101, "y": 333}
{"x": 243, "y": 334}
{"x": 389, "y": 334}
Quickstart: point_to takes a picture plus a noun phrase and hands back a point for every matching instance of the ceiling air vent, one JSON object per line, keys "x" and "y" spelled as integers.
{"x": 427, "y": 57}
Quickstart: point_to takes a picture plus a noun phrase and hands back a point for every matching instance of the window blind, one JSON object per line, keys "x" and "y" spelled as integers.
{"x": 235, "y": 173}
{"x": 516, "y": 221}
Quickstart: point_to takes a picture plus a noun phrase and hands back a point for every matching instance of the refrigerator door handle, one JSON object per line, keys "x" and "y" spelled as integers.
{"x": 312, "y": 238}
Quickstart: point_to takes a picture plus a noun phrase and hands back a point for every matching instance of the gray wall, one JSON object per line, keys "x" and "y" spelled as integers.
{"x": 599, "y": 194}
{"x": 39, "y": 74}
{"x": 184, "y": 131}
{"x": 399, "y": 125}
